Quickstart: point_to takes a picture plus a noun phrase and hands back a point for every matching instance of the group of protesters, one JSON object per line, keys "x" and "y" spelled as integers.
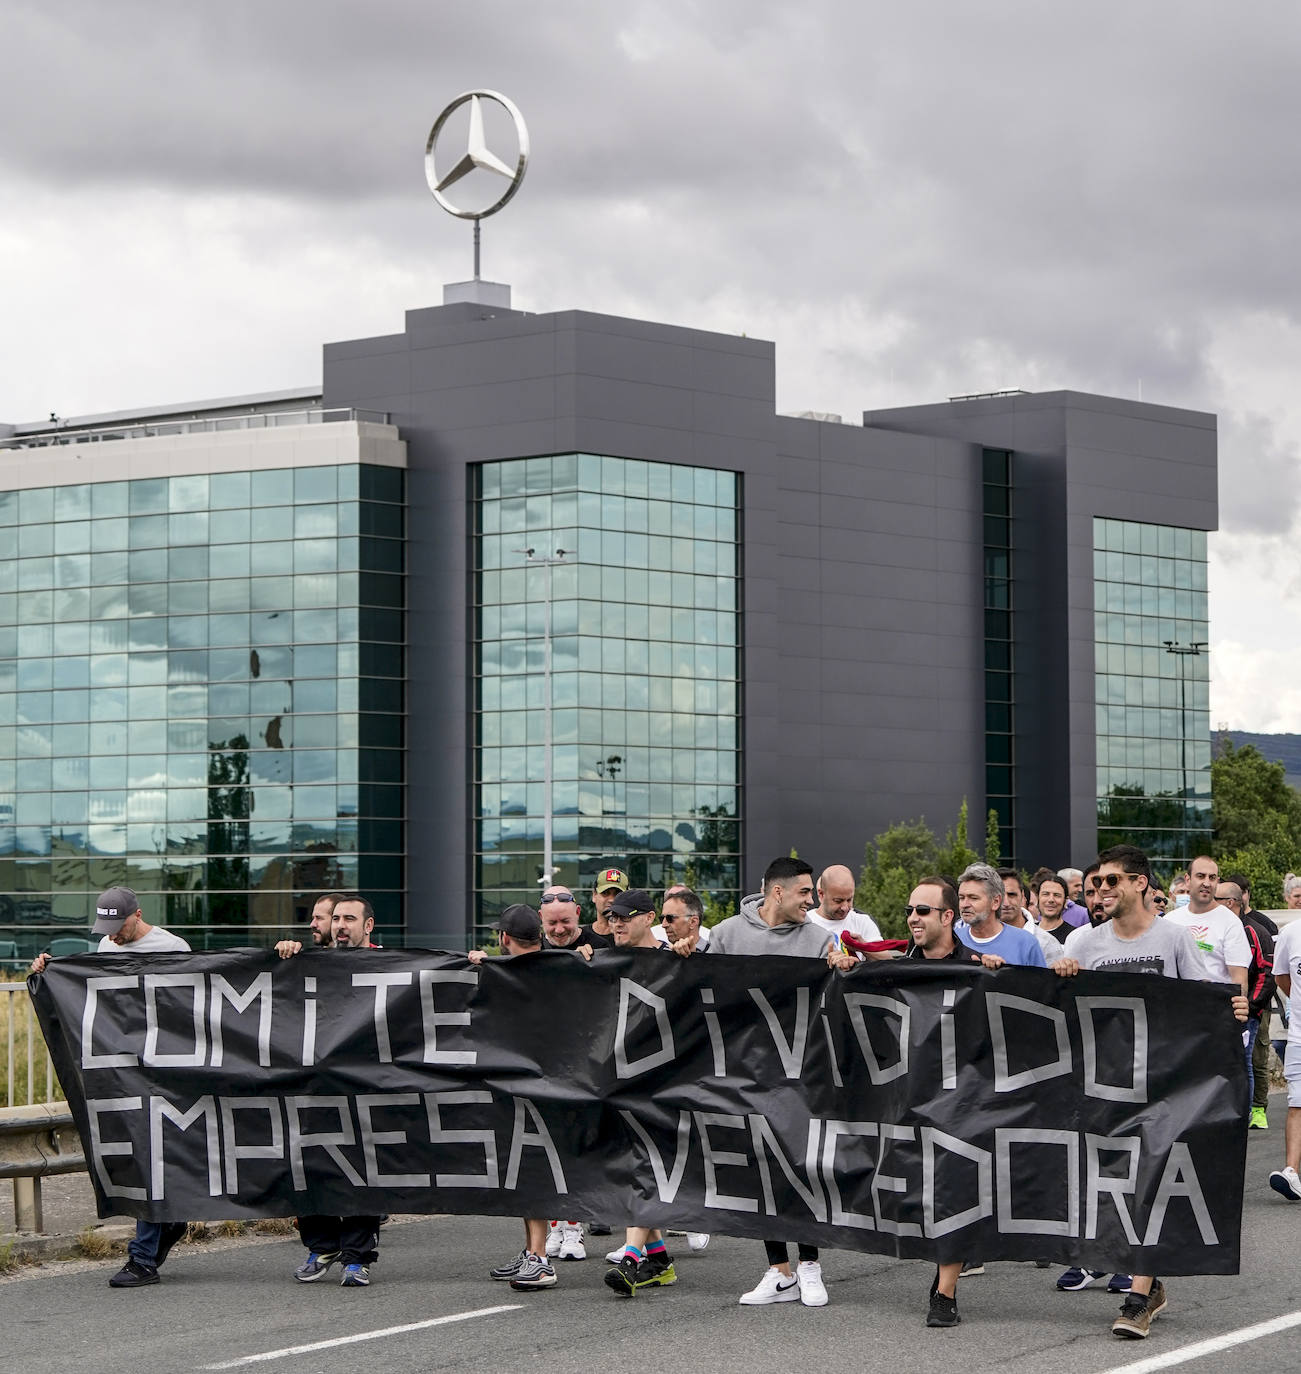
{"x": 1113, "y": 915}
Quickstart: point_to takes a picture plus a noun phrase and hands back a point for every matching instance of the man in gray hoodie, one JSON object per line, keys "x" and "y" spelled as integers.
{"x": 774, "y": 922}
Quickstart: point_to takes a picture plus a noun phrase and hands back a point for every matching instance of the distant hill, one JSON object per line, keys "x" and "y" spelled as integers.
{"x": 1284, "y": 749}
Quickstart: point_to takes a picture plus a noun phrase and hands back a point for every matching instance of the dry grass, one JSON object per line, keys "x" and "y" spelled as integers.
{"x": 17, "y": 1007}
{"x": 274, "y": 1226}
{"x": 94, "y": 1244}
{"x": 8, "y": 1260}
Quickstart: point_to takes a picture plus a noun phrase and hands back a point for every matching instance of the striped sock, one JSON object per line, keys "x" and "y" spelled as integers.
{"x": 656, "y": 1247}
{"x": 634, "y": 1252}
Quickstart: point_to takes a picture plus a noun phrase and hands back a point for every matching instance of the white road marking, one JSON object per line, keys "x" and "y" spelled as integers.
{"x": 361, "y": 1336}
{"x": 1209, "y": 1347}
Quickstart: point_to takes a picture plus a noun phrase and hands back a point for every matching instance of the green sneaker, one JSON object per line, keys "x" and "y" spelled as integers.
{"x": 1259, "y": 1121}
{"x": 654, "y": 1270}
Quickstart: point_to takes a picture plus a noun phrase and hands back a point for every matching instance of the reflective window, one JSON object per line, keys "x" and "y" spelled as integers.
{"x": 1152, "y": 674}
{"x": 181, "y": 665}
{"x": 645, "y": 664}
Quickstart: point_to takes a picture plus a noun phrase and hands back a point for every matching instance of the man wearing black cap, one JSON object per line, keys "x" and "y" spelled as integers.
{"x": 645, "y": 1261}
{"x": 519, "y": 928}
{"x": 121, "y": 923}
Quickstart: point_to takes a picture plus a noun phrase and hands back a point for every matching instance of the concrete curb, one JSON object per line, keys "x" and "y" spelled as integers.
{"x": 24, "y": 1245}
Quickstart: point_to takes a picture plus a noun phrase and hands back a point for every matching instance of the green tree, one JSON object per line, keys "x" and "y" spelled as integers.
{"x": 1253, "y": 806}
{"x": 899, "y": 856}
{"x": 1263, "y": 875}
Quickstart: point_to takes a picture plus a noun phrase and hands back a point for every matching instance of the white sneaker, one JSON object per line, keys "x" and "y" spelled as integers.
{"x": 615, "y": 1255}
{"x": 697, "y": 1240}
{"x": 813, "y": 1292}
{"x": 571, "y": 1244}
{"x": 555, "y": 1238}
{"x": 773, "y": 1287}
{"x": 1287, "y": 1182}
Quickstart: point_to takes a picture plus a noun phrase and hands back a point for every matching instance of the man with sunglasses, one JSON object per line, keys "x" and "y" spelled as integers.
{"x": 931, "y": 911}
{"x": 645, "y": 1261}
{"x": 560, "y": 922}
{"x": 1133, "y": 939}
{"x": 1260, "y": 984}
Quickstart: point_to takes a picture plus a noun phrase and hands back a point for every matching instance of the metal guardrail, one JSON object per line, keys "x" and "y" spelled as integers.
{"x": 150, "y": 429}
{"x": 35, "y": 1142}
{"x": 20, "y": 1015}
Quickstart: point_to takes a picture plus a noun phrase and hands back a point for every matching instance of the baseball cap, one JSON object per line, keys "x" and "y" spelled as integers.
{"x": 611, "y": 877}
{"x": 521, "y": 922}
{"x": 112, "y": 908}
{"x": 632, "y": 903}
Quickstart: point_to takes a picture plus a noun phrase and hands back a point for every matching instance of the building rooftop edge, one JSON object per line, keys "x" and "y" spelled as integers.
{"x": 254, "y": 400}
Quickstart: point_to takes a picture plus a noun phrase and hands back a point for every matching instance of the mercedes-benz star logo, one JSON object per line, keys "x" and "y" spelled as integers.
{"x": 477, "y": 155}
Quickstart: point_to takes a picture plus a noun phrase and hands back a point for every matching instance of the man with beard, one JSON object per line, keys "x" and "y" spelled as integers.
{"x": 1052, "y": 903}
{"x": 1134, "y": 939}
{"x": 352, "y": 1242}
{"x": 775, "y": 921}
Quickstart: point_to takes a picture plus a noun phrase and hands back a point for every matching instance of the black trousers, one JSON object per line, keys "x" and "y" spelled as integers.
{"x": 779, "y": 1252}
{"x": 356, "y": 1239}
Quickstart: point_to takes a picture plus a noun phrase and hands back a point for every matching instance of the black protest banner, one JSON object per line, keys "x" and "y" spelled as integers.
{"x": 918, "y": 1109}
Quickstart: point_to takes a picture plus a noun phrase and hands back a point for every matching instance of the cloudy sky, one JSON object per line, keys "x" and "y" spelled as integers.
{"x": 914, "y": 201}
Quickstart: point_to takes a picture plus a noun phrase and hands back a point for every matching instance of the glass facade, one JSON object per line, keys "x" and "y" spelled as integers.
{"x": 646, "y": 671}
{"x": 201, "y": 696}
{"x": 1152, "y": 672}
{"x": 1000, "y": 705}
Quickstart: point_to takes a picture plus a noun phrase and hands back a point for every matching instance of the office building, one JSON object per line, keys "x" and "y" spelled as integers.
{"x": 257, "y": 648}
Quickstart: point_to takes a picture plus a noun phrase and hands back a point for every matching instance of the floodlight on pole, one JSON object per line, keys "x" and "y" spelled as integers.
{"x": 1182, "y": 652}
{"x": 547, "y": 561}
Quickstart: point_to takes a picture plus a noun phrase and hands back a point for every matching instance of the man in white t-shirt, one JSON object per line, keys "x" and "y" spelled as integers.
{"x": 1217, "y": 932}
{"x": 121, "y": 923}
{"x": 835, "y": 912}
{"x": 1287, "y": 972}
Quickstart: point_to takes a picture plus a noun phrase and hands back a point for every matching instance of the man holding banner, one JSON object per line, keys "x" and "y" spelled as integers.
{"x": 1133, "y": 939}
{"x": 776, "y": 922}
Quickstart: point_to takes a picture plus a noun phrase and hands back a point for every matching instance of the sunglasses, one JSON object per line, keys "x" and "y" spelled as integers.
{"x": 1109, "y": 880}
{"x": 923, "y": 910}
{"x": 1161, "y": 901}
{"x": 557, "y": 897}
{"x": 627, "y": 915}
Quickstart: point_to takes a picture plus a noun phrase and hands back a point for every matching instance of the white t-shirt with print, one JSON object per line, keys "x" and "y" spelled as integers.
{"x": 1218, "y": 934}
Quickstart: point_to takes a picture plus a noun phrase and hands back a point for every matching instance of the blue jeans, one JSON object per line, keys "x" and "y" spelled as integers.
{"x": 152, "y": 1241}
{"x": 1253, "y": 1030}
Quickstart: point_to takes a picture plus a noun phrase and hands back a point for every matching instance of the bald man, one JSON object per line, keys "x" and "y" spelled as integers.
{"x": 835, "y": 909}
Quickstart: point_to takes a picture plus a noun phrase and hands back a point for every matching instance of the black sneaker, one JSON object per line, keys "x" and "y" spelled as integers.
{"x": 972, "y": 1268}
{"x": 943, "y": 1311}
{"x": 656, "y": 1270}
{"x": 597, "y": 1228}
{"x": 622, "y": 1279}
{"x": 133, "y": 1275}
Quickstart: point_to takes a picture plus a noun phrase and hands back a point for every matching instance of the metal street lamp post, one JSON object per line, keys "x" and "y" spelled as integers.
{"x": 1183, "y": 651}
{"x": 548, "y": 561}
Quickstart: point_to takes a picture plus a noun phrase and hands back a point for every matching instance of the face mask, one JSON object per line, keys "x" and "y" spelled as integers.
{"x": 1182, "y": 899}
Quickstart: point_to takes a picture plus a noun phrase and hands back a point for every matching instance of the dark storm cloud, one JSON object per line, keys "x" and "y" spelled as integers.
{"x": 1072, "y": 196}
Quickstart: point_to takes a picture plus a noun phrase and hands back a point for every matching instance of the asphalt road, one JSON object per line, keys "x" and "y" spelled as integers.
{"x": 431, "y": 1306}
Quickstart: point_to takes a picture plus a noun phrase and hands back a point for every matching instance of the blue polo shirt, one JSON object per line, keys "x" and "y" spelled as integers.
{"x": 1012, "y": 944}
